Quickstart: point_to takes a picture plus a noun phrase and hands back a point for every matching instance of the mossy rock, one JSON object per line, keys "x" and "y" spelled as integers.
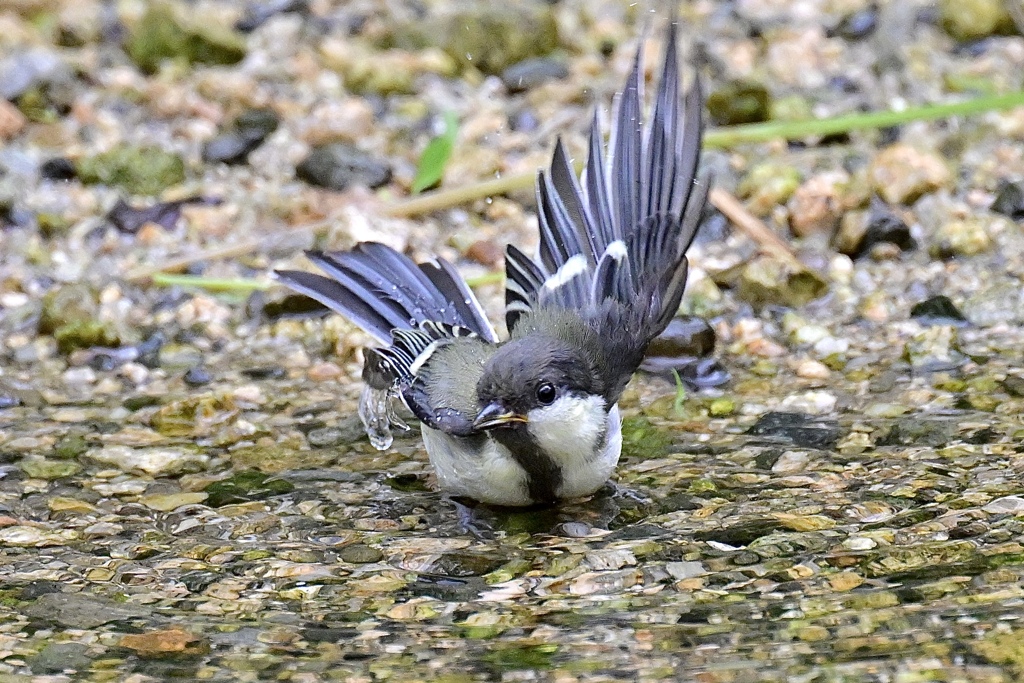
{"x": 486, "y": 36}
{"x": 138, "y": 170}
{"x": 70, "y": 315}
{"x": 739, "y": 101}
{"x": 164, "y": 32}
{"x": 969, "y": 20}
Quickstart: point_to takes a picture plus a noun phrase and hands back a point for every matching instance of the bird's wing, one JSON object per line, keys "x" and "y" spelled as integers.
{"x": 411, "y": 309}
{"x": 613, "y": 244}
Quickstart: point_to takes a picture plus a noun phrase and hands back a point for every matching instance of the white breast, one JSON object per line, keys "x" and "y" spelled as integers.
{"x": 580, "y": 438}
{"x": 584, "y": 442}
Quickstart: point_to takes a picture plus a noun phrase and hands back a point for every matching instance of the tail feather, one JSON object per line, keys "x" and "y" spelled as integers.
{"x": 632, "y": 216}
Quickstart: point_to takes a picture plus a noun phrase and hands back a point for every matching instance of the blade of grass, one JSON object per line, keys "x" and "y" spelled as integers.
{"x": 436, "y": 155}
{"x": 731, "y": 136}
{"x": 211, "y": 284}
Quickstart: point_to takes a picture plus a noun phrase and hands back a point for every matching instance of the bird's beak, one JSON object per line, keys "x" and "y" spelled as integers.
{"x": 496, "y": 415}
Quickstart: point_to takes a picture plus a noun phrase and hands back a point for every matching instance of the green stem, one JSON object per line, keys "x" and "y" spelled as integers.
{"x": 211, "y": 284}
{"x": 759, "y": 132}
{"x": 729, "y": 137}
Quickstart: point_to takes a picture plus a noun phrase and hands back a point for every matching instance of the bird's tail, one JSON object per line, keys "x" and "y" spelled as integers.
{"x": 621, "y": 231}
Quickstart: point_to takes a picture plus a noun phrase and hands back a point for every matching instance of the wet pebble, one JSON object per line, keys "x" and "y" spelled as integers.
{"x": 329, "y": 437}
{"x": 738, "y": 101}
{"x": 900, "y": 174}
{"x": 860, "y": 232}
{"x": 258, "y": 13}
{"x": 152, "y": 461}
{"x": 937, "y": 310}
{"x": 530, "y": 73}
{"x": 35, "y": 537}
{"x": 338, "y": 165}
{"x": 810, "y": 402}
{"x": 57, "y": 168}
{"x": 360, "y": 554}
{"x": 791, "y": 462}
{"x": 248, "y": 132}
{"x": 1009, "y": 199}
{"x": 685, "y": 570}
{"x": 1012, "y": 505}
{"x": 197, "y": 376}
{"x": 859, "y": 24}
{"x": 12, "y": 121}
{"x": 57, "y": 658}
{"x": 969, "y": 236}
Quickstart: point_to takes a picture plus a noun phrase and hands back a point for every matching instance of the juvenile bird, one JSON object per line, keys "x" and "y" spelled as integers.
{"x": 534, "y": 419}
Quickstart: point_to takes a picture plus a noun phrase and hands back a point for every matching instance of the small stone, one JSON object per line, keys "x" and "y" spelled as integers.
{"x": 810, "y": 402}
{"x": 685, "y": 336}
{"x": 768, "y": 185}
{"x": 246, "y": 486}
{"x": 966, "y": 237}
{"x": 138, "y": 170}
{"x": 247, "y": 133}
{"x": 532, "y": 72}
{"x": 57, "y": 168}
{"x": 969, "y": 20}
{"x": 791, "y": 462}
{"x": 799, "y": 429}
{"x": 35, "y": 537}
{"x": 165, "y": 502}
{"x": 739, "y": 101}
{"x": 685, "y": 570}
{"x": 485, "y": 252}
{"x": 39, "y": 467}
{"x": 160, "y": 644}
{"x": 860, "y": 232}
{"x": 765, "y": 281}
{"x": 722, "y": 407}
{"x": 340, "y": 435}
{"x": 197, "y": 376}
{"x": 56, "y": 658}
{"x": 859, "y": 24}
{"x": 322, "y": 372}
{"x": 360, "y": 554}
{"x": 486, "y": 36}
{"x": 257, "y": 13}
{"x": 938, "y": 310}
{"x": 1011, "y": 505}
{"x": 845, "y": 581}
{"x": 338, "y": 165}
{"x": 812, "y": 369}
{"x": 157, "y": 462}
{"x": 934, "y": 349}
{"x": 901, "y": 174}
{"x": 169, "y": 31}
{"x": 12, "y": 121}
{"x": 817, "y": 205}
{"x": 1009, "y": 199}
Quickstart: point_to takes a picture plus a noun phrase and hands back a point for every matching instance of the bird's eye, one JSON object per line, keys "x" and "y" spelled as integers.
{"x": 546, "y": 393}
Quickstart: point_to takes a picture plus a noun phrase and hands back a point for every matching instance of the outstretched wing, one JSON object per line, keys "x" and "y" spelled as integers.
{"x": 410, "y": 308}
{"x": 613, "y": 244}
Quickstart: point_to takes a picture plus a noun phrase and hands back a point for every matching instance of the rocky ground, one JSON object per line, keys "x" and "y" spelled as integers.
{"x": 185, "y": 490}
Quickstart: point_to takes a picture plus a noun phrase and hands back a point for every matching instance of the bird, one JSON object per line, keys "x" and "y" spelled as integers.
{"x": 533, "y": 420}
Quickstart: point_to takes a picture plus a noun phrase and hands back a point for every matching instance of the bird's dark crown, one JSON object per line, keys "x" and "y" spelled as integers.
{"x": 516, "y": 371}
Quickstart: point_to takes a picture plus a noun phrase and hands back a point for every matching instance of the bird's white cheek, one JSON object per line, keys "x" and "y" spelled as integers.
{"x": 570, "y": 429}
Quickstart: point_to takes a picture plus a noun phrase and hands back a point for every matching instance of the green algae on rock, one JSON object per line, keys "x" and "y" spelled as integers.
{"x": 166, "y": 31}
{"x": 137, "y": 170}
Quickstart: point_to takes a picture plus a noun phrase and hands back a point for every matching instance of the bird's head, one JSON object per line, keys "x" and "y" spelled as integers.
{"x": 541, "y": 382}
